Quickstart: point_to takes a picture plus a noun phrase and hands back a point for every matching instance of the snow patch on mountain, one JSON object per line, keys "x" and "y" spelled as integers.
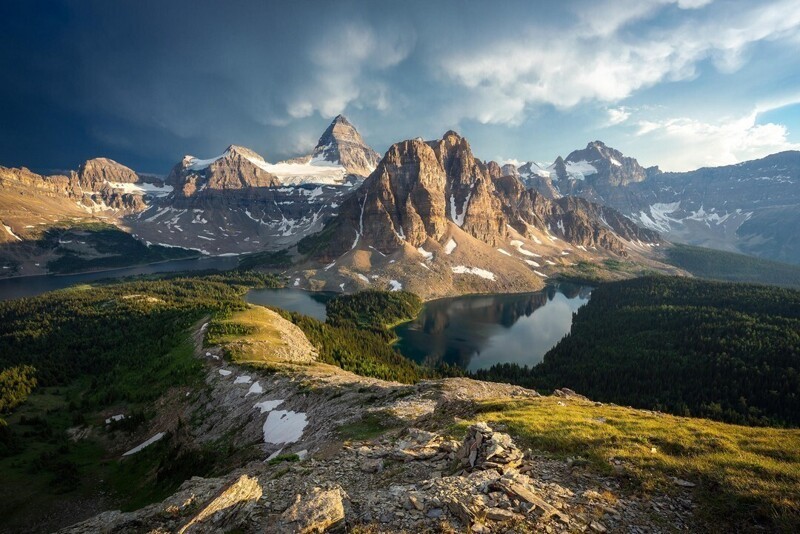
{"x": 579, "y": 170}
{"x": 483, "y": 273}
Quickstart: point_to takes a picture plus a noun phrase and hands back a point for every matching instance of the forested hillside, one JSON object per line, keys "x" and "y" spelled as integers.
{"x": 720, "y": 265}
{"x": 726, "y": 351}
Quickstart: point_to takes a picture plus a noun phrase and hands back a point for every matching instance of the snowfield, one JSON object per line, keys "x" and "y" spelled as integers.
{"x": 145, "y": 444}
{"x": 579, "y": 170}
{"x": 284, "y": 426}
{"x": 461, "y": 269}
{"x": 255, "y": 389}
{"x": 425, "y": 254}
{"x": 268, "y": 405}
{"x": 516, "y": 243}
{"x": 142, "y": 188}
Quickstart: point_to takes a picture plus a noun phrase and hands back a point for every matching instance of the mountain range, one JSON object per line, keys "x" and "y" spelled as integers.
{"x": 750, "y": 207}
{"x": 427, "y": 216}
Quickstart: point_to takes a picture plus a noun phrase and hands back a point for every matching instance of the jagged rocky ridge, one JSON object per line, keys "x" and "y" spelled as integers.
{"x": 421, "y": 187}
{"x": 99, "y": 184}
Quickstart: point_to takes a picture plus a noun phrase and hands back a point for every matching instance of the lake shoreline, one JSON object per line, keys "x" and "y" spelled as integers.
{"x": 488, "y": 328}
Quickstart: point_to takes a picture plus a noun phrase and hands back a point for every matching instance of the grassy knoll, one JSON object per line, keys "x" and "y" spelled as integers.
{"x": 746, "y": 477}
{"x": 250, "y": 336}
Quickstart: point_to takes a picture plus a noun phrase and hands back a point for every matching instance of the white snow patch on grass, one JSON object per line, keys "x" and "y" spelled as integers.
{"x": 450, "y": 246}
{"x": 145, "y": 444}
{"x": 425, "y": 254}
{"x": 225, "y": 372}
{"x": 394, "y": 285}
{"x": 532, "y": 263}
{"x": 518, "y": 245}
{"x": 363, "y": 277}
{"x": 461, "y": 269}
{"x": 244, "y": 379}
{"x": 11, "y": 232}
{"x": 501, "y": 251}
{"x": 541, "y": 274}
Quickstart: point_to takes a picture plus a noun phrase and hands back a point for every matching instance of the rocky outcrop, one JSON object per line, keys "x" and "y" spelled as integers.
{"x": 418, "y": 188}
{"x": 316, "y": 511}
{"x": 485, "y": 449}
{"x": 94, "y": 187}
{"x": 237, "y": 169}
{"x": 341, "y": 143}
{"x": 403, "y": 200}
{"x": 96, "y": 172}
{"x": 51, "y": 186}
{"x": 469, "y": 190}
{"x": 228, "y": 509}
{"x": 612, "y": 168}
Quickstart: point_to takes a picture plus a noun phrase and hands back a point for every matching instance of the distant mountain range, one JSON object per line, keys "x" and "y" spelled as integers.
{"x": 751, "y": 207}
{"x": 428, "y": 216}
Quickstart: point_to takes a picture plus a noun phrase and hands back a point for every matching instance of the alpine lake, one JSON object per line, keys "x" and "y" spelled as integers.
{"x": 474, "y": 331}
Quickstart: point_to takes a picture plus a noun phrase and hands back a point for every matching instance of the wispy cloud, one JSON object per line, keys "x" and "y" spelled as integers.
{"x": 617, "y": 116}
{"x": 695, "y": 143}
{"x": 342, "y": 59}
{"x": 608, "y": 55}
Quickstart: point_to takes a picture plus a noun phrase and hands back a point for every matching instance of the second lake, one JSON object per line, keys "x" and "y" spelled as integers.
{"x": 476, "y": 332}
{"x": 472, "y": 332}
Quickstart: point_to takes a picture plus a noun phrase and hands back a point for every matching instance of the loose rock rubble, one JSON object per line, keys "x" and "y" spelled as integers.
{"x": 410, "y": 481}
{"x": 412, "y": 477}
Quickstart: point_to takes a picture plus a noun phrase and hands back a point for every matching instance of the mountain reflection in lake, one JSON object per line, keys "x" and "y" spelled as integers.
{"x": 476, "y": 332}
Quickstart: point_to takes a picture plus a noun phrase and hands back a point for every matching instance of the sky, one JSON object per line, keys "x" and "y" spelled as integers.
{"x": 676, "y": 83}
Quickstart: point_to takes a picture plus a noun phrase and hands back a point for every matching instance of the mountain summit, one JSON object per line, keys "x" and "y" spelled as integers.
{"x": 434, "y": 219}
{"x": 342, "y": 144}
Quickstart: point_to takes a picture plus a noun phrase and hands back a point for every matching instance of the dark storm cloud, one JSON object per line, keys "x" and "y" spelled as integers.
{"x": 145, "y": 82}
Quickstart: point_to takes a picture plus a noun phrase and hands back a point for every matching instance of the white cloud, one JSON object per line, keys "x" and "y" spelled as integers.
{"x": 695, "y": 143}
{"x": 617, "y": 116}
{"x": 344, "y": 63}
{"x": 597, "y": 58}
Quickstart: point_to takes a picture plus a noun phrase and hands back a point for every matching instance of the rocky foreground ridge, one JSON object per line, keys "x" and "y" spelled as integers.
{"x": 410, "y": 476}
